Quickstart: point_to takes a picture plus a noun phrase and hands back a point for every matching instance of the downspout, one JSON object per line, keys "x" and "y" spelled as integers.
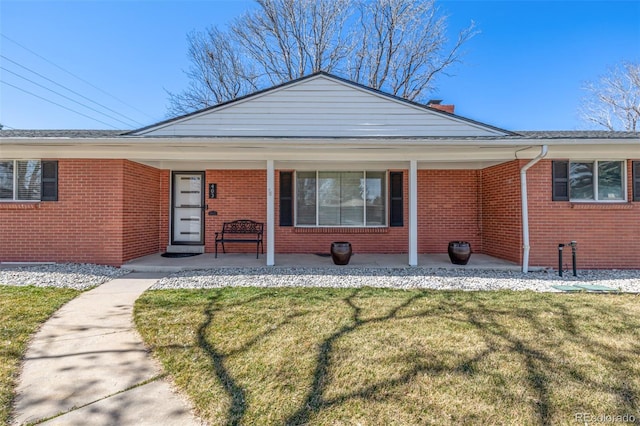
{"x": 525, "y": 207}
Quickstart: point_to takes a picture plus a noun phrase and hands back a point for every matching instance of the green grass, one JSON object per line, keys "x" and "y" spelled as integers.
{"x": 373, "y": 356}
{"x": 22, "y": 310}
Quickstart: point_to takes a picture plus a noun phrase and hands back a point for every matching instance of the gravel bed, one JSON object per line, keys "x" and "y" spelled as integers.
{"x": 399, "y": 278}
{"x": 68, "y": 275}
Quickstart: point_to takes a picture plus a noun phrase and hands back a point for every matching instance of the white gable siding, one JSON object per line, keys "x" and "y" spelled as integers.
{"x": 320, "y": 107}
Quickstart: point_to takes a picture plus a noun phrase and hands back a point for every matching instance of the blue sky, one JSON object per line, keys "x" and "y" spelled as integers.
{"x": 524, "y": 71}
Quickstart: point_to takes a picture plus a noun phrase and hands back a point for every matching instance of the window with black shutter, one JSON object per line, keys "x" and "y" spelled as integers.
{"x": 397, "y": 199}
{"x": 49, "y": 180}
{"x": 560, "y": 180}
{"x": 636, "y": 180}
{"x": 286, "y": 198}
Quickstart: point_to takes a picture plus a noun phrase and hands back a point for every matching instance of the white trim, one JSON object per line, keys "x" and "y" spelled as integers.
{"x": 413, "y": 213}
{"x": 270, "y": 213}
{"x": 525, "y": 207}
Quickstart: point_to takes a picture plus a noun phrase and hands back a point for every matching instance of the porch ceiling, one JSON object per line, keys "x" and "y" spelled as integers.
{"x": 307, "y": 153}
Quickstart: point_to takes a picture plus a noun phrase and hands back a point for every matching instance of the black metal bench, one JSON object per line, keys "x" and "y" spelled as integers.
{"x": 231, "y": 232}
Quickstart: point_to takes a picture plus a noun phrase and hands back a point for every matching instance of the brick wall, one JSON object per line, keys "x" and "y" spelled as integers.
{"x": 110, "y": 211}
{"x": 448, "y": 209}
{"x": 165, "y": 208}
{"x": 141, "y": 210}
{"x": 607, "y": 234}
{"x": 107, "y": 212}
{"x": 241, "y": 195}
{"x": 85, "y": 225}
{"x": 501, "y": 213}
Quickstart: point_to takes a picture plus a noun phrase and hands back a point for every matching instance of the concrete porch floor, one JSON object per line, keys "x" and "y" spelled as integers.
{"x": 157, "y": 263}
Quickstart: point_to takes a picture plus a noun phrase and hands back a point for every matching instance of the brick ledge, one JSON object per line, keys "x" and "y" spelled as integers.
{"x": 602, "y": 206}
{"x": 11, "y": 205}
{"x": 301, "y": 230}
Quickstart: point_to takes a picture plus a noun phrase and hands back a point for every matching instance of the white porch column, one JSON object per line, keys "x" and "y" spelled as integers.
{"x": 413, "y": 213}
{"x": 270, "y": 213}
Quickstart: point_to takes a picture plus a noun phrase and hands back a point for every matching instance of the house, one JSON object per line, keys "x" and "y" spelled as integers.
{"x": 321, "y": 159}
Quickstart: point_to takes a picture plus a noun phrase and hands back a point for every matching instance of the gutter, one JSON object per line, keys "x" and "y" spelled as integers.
{"x": 525, "y": 207}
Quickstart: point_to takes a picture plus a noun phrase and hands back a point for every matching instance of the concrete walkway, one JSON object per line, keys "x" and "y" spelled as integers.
{"x": 89, "y": 363}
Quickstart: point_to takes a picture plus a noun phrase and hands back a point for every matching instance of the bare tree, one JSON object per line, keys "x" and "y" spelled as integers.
{"x": 613, "y": 102}
{"x": 291, "y": 38}
{"x": 404, "y": 46}
{"x": 217, "y": 73}
{"x": 398, "y": 46}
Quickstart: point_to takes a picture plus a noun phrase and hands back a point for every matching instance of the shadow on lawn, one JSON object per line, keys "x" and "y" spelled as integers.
{"x": 539, "y": 365}
{"x": 540, "y": 361}
{"x": 236, "y": 393}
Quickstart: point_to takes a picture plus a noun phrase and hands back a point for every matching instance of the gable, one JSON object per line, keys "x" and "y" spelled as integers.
{"x": 321, "y": 106}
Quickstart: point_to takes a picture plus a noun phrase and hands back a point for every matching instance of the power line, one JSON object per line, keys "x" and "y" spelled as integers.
{"x": 64, "y": 96}
{"x": 73, "y": 91}
{"x": 55, "y": 103}
{"x": 72, "y": 74}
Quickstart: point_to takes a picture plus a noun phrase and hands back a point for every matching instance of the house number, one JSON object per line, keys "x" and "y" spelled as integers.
{"x": 213, "y": 190}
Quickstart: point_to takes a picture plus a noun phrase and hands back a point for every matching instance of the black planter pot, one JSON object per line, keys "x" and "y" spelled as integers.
{"x": 341, "y": 252}
{"x": 459, "y": 252}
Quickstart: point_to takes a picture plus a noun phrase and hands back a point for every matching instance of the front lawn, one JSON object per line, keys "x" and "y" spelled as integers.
{"x": 22, "y": 310}
{"x": 373, "y": 356}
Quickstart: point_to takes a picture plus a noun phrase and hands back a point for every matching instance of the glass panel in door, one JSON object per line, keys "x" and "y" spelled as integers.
{"x": 188, "y": 210}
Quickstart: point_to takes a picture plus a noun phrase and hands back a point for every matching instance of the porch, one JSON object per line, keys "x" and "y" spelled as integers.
{"x": 157, "y": 263}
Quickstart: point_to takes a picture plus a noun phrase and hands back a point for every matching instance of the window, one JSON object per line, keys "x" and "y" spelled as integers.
{"x": 341, "y": 199}
{"x": 20, "y": 180}
{"x": 28, "y": 180}
{"x": 589, "y": 180}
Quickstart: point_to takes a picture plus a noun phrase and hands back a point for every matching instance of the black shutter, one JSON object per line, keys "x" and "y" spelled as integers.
{"x": 560, "y": 180}
{"x": 286, "y": 198}
{"x": 397, "y": 199}
{"x": 49, "y": 181}
{"x": 636, "y": 180}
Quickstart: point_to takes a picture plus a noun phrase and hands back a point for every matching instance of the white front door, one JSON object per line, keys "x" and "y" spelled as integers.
{"x": 187, "y": 225}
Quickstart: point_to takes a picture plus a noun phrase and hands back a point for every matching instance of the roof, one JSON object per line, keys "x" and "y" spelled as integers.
{"x": 536, "y": 134}
{"x": 71, "y": 134}
{"x": 578, "y": 134}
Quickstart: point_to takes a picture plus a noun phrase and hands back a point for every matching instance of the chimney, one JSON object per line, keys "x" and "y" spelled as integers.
{"x": 437, "y": 104}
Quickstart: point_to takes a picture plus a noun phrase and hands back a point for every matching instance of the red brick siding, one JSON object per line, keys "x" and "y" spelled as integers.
{"x": 141, "y": 210}
{"x": 165, "y": 209}
{"x": 501, "y": 212}
{"x": 241, "y": 195}
{"x": 607, "y": 235}
{"x": 84, "y": 225}
{"x": 110, "y": 211}
{"x": 107, "y": 212}
{"x": 448, "y": 209}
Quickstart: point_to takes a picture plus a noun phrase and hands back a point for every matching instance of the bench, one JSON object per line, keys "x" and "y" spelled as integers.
{"x": 232, "y": 232}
